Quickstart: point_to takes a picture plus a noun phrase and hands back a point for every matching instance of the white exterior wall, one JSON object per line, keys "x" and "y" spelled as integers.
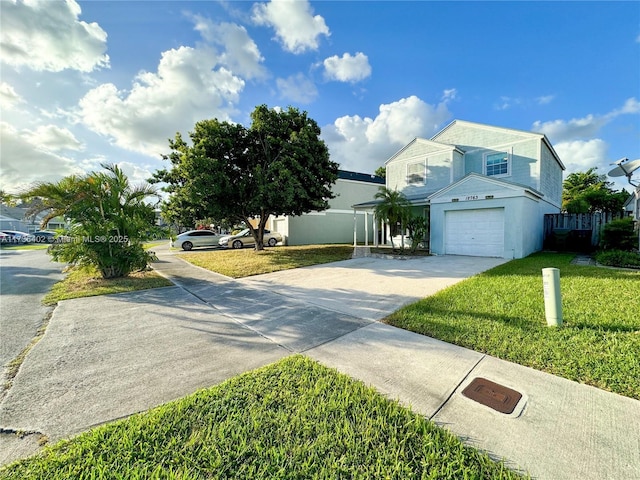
{"x": 523, "y": 215}
{"x": 334, "y": 225}
{"x": 550, "y": 178}
{"x": 438, "y": 161}
{"x": 522, "y": 230}
{"x": 469, "y": 136}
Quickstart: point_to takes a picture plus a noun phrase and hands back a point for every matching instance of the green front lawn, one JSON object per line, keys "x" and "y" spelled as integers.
{"x": 247, "y": 262}
{"x": 87, "y": 282}
{"x": 292, "y": 419}
{"x": 501, "y": 313}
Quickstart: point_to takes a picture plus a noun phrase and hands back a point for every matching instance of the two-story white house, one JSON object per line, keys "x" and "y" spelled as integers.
{"x": 484, "y": 189}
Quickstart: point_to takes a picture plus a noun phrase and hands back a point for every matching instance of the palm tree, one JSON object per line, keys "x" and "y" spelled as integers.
{"x": 394, "y": 209}
{"x": 109, "y": 219}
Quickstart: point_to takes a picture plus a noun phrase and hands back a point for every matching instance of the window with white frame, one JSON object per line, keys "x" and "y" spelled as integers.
{"x": 417, "y": 173}
{"x": 497, "y": 164}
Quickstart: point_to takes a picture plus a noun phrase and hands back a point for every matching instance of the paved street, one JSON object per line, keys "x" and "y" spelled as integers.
{"x": 25, "y": 277}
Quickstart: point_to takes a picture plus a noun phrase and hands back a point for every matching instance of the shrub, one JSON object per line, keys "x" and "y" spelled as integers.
{"x": 619, "y": 235}
{"x": 618, "y": 258}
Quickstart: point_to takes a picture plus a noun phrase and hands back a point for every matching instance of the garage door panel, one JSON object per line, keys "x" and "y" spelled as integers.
{"x": 477, "y": 232}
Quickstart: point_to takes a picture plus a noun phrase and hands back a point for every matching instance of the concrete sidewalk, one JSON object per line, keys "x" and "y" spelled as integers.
{"x": 151, "y": 347}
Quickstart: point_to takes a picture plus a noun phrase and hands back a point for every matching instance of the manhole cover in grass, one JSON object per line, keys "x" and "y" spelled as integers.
{"x": 492, "y": 394}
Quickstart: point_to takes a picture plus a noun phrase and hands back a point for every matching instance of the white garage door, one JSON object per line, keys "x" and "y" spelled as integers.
{"x": 479, "y": 233}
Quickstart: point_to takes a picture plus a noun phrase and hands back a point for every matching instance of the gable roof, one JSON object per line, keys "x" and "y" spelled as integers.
{"x": 483, "y": 126}
{"x": 470, "y": 177}
{"x": 423, "y": 141}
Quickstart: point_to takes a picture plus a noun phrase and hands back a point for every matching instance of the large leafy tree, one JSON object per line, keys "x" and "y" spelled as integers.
{"x": 109, "y": 218}
{"x": 277, "y": 166}
{"x": 588, "y": 192}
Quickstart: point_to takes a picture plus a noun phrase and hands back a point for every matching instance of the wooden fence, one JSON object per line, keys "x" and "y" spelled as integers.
{"x": 575, "y": 231}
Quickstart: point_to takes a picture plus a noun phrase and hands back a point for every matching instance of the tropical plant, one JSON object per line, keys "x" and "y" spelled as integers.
{"x": 619, "y": 235}
{"x": 418, "y": 227}
{"x": 109, "y": 218}
{"x": 393, "y": 209}
{"x": 277, "y": 166}
{"x": 381, "y": 171}
{"x": 588, "y": 192}
{"x": 7, "y": 198}
{"x": 618, "y": 258}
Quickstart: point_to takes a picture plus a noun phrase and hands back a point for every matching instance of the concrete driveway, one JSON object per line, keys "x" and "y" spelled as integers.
{"x": 371, "y": 288}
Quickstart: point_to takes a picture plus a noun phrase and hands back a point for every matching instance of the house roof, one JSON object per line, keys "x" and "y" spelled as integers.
{"x": 542, "y": 136}
{"x": 497, "y": 181}
{"x": 360, "y": 177}
{"x": 424, "y": 141}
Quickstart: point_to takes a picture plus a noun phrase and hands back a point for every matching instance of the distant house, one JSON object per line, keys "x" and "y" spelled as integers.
{"x": 632, "y": 205}
{"x": 484, "y": 189}
{"x": 17, "y": 218}
{"x": 336, "y": 224}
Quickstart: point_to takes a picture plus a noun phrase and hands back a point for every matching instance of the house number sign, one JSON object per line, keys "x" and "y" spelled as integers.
{"x": 471, "y": 197}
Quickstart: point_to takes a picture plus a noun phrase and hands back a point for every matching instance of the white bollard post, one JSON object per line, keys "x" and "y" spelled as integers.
{"x": 552, "y": 297}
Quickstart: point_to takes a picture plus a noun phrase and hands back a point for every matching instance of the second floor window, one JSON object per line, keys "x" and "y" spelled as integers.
{"x": 496, "y": 164}
{"x": 417, "y": 173}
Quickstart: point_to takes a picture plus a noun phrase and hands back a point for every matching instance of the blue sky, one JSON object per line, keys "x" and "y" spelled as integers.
{"x": 110, "y": 81}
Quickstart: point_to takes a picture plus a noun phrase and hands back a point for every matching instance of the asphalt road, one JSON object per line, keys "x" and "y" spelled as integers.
{"x": 25, "y": 277}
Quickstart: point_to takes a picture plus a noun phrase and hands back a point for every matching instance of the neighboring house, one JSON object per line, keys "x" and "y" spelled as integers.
{"x": 336, "y": 224}
{"x": 484, "y": 189}
{"x": 16, "y": 218}
{"x": 632, "y": 205}
{"x": 11, "y": 223}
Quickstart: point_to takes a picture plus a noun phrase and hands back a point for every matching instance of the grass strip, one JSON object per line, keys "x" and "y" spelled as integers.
{"x": 247, "y": 262}
{"x": 501, "y": 313}
{"x": 24, "y": 246}
{"x": 291, "y": 419}
{"x": 87, "y": 282}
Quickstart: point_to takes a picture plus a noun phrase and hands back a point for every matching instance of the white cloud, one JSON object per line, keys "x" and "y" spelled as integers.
{"x": 53, "y": 138}
{"x": 8, "y": 96}
{"x": 364, "y": 144}
{"x": 585, "y": 127}
{"x": 136, "y": 173}
{"x": 46, "y": 35}
{"x": 294, "y": 23}
{"x": 450, "y": 94}
{"x": 297, "y": 88}
{"x": 631, "y": 106}
{"x": 576, "y": 128}
{"x": 545, "y": 99}
{"x": 240, "y": 53}
{"x": 25, "y": 160}
{"x": 347, "y": 68}
{"x": 185, "y": 89}
{"x": 580, "y": 155}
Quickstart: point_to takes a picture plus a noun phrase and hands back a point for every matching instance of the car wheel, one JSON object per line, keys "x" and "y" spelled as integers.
{"x": 187, "y": 246}
{"x": 272, "y": 242}
{"x": 236, "y": 244}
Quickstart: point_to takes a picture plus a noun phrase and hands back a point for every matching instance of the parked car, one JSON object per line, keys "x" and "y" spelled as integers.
{"x": 16, "y": 236}
{"x": 44, "y": 236}
{"x": 197, "y": 238}
{"x": 245, "y": 239}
